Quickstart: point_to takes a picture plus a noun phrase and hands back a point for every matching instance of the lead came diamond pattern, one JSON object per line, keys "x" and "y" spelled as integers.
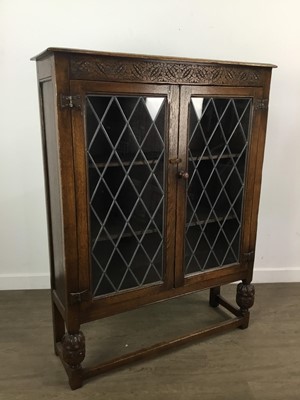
{"x": 125, "y": 149}
{"x": 218, "y": 144}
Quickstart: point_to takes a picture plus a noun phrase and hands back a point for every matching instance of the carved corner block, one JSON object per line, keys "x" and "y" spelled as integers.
{"x": 245, "y": 295}
{"x": 73, "y": 349}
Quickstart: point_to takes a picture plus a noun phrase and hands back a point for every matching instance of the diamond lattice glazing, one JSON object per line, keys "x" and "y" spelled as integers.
{"x": 218, "y": 143}
{"x": 125, "y": 149}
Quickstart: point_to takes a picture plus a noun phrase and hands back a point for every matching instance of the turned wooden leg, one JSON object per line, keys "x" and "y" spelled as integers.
{"x": 245, "y": 299}
{"x": 73, "y": 353}
{"x": 58, "y": 326}
{"x": 213, "y": 296}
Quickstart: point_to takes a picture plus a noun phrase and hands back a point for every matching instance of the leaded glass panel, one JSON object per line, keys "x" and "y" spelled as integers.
{"x": 125, "y": 152}
{"x": 217, "y": 152}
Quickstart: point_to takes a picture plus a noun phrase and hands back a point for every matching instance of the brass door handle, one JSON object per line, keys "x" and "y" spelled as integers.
{"x": 183, "y": 175}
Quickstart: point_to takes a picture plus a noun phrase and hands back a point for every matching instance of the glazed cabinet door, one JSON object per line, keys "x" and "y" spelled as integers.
{"x": 218, "y": 134}
{"x": 123, "y": 139}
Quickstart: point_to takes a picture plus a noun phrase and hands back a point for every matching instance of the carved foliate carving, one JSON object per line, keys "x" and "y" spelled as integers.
{"x": 127, "y": 70}
{"x": 73, "y": 346}
{"x": 245, "y": 296}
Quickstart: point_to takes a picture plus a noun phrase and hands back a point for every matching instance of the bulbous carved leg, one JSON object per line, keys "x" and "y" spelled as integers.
{"x": 245, "y": 299}
{"x": 73, "y": 352}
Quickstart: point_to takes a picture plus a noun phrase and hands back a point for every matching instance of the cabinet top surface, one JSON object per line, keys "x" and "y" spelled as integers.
{"x": 52, "y": 50}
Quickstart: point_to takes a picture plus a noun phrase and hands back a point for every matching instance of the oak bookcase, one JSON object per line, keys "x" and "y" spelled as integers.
{"x": 152, "y": 172}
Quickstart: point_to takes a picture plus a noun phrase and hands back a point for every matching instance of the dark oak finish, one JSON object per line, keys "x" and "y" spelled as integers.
{"x": 78, "y": 90}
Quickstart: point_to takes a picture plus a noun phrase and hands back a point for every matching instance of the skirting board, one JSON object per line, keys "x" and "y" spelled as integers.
{"x": 42, "y": 280}
{"x": 276, "y": 275}
{"x": 24, "y": 281}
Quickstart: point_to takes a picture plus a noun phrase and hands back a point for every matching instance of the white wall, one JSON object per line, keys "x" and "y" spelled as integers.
{"x": 260, "y": 30}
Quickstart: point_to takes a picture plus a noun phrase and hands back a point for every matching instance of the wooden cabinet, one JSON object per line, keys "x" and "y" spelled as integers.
{"x": 152, "y": 170}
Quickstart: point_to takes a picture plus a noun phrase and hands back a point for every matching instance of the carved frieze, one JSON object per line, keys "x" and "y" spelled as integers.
{"x": 137, "y": 70}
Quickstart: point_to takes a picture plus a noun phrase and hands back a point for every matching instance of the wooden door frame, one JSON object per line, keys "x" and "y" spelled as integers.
{"x": 249, "y": 217}
{"x": 92, "y": 307}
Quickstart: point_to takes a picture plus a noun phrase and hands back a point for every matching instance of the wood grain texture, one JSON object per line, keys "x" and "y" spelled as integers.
{"x": 48, "y": 52}
{"x": 64, "y": 132}
{"x": 79, "y": 73}
{"x": 50, "y": 142}
{"x": 150, "y": 71}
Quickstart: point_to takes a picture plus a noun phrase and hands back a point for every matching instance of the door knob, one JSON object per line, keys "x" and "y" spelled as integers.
{"x": 183, "y": 175}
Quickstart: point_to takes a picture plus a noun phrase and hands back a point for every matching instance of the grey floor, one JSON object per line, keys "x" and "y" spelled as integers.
{"x": 262, "y": 362}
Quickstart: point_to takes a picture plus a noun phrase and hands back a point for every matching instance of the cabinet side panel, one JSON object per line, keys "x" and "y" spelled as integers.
{"x": 261, "y": 138}
{"x": 53, "y": 189}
